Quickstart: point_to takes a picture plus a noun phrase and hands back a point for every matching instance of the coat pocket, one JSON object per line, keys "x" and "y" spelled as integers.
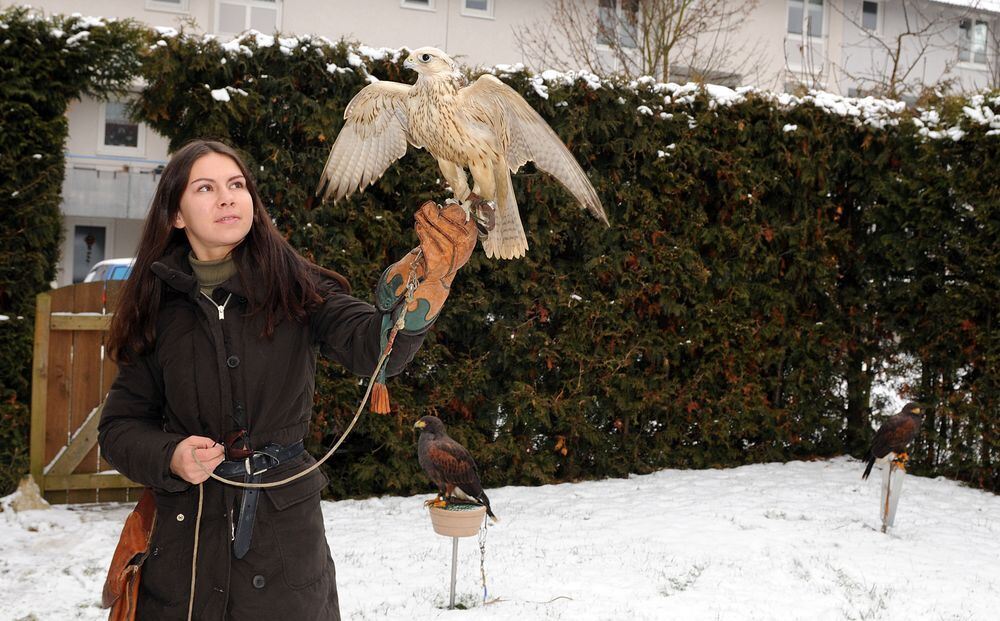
{"x": 169, "y": 550}
{"x": 296, "y": 519}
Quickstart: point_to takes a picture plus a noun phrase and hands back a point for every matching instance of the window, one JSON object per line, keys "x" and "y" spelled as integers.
{"x": 170, "y": 6}
{"x": 117, "y": 133}
{"x": 88, "y": 249}
{"x": 972, "y": 41}
{"x": 478, "y": 8}
{"x": 869, "y": 15}
{"x": 424, "y": 5}
{"x": 805, "y": 16}
{"x": 235, "y": 16}
{"x": 616, "y": 22}
{"x": 120, "y": 272}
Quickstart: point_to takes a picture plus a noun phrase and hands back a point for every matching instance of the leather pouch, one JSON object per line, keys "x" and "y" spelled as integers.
{"x": 121, "y": 588}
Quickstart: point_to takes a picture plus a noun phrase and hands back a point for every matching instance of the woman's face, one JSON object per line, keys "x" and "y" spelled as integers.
{"x": 216, "y": 209}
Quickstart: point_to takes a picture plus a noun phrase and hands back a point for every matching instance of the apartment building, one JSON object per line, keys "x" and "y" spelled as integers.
{"x": 113, "y": 164}
{"x": 845, "y": 46}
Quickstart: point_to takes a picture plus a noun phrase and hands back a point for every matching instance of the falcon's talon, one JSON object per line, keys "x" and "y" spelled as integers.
{"x": 485, "y": 214}
{"x": 467, "y": 208}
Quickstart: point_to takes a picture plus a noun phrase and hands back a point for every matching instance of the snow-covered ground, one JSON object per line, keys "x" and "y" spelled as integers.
{"x": 772, "y": 541}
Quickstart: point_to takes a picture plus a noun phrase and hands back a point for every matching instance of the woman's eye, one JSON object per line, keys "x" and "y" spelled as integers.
{"x": 204, "y": 188}
{"x": 425, "y": 57}
{"x": 236, "y": 185}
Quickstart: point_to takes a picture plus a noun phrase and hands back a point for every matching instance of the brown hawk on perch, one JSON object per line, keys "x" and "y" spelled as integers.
{"x": 894, "y": 435}
{"x": 486, "y": 127}
{"x": 449, "y": 465}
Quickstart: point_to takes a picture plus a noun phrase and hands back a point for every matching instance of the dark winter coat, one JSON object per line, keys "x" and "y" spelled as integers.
{"x": 203, "y": 375}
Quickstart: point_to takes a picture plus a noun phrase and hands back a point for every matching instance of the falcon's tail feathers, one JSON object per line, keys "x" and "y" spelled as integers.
{"x": 483, "y": 500}
{"x": 507, "y": 239}
{"x": 868, "y": 469}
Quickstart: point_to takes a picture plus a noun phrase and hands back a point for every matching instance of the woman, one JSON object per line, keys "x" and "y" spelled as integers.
{"x": 215, "y": 335}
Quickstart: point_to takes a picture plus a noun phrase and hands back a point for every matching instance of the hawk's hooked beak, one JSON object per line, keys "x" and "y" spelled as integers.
{"x": 918, "y": 410}
{"x": 419, "y": 424}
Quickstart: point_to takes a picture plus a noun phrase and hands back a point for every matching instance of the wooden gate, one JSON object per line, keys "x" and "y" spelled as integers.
{"x": 70, "y": 378}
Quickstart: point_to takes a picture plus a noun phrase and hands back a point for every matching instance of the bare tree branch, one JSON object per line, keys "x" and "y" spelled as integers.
{"x": 898, "y": 57}
{"x": 691, "y": 38}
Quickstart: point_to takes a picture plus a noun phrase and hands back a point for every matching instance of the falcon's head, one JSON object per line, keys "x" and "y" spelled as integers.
{"x": 430, "y": 61}
{"x": 913, "y": 409}
{"x": 430, "y": 424}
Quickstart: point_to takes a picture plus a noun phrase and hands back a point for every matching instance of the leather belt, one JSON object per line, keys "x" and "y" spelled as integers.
{"x": 251, "y": 469}
{"x": 260, "y": 461}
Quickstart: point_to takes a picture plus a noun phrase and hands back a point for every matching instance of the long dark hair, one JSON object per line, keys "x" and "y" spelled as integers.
{"x": 285, "y": 284}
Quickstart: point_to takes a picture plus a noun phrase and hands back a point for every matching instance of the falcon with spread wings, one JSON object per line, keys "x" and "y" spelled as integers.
{"x": 894, "y": 435}
{"x": 486, "y": 127}
{"x": 449, "y": 465}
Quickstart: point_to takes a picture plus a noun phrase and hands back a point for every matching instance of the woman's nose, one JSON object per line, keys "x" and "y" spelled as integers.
{"x": 225, "y": 197}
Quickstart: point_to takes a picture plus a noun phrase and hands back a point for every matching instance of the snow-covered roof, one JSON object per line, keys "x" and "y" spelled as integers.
{"x": 989, "y": 6}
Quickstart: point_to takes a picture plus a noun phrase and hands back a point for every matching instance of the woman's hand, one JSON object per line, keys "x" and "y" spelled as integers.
{"x": 205, "y": 450}
{"x": 447, "y": 238}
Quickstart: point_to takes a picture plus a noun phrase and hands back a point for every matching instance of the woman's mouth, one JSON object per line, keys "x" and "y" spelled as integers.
{"x": 228, "y": 220}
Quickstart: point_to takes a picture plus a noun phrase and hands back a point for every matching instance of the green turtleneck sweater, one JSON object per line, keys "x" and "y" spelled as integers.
{"x": 211, "y": 274}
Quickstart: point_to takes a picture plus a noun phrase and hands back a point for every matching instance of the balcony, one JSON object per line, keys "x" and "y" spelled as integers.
{"x": 103, "y": 190}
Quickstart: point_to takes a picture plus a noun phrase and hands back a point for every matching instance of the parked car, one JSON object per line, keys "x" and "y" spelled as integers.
{"x": 110, "y": 269}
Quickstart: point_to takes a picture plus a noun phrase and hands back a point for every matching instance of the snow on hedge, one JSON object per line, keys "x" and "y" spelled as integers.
{"x": 865, "y": 111}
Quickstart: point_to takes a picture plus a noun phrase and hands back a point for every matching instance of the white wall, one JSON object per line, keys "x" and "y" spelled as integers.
{"x": 373, "y": 22}
{"x": 121, "y": 237}
{"x": 862, "y": 55}
{"x": 200, "y": 10}
{"x": 758, "y": 37}
{"x": 85, "y": 134}
{"x": 387, "y": 23}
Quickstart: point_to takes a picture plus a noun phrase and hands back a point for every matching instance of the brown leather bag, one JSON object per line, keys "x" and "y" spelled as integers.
{"x": 121, "y": 588}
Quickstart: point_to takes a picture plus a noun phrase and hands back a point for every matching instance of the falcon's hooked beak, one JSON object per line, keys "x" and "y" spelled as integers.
{"x": 419, "y": 424}
{"x": 409, "y": 63}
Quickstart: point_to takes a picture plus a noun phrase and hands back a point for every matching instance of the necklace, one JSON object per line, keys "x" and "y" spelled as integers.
{"x": 221, "y": 307}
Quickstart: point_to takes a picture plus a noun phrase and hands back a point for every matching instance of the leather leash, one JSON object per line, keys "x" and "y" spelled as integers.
{"x": 411, "y": 285}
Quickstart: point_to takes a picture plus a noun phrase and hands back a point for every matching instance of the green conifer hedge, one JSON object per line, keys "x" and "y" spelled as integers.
{"x": 767, "y": 257}
{"x": 753, "y": 281}
{"x": 45, "y": 62}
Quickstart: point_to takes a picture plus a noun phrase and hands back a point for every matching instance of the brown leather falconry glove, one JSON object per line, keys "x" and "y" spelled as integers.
{"x": 447, "y": 239}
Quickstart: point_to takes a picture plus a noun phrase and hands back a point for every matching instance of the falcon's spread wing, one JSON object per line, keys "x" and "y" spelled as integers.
{"x": 525, "y": 136}
{"x": 455, "y": 466}
{"x": 373, "y": 137}
{"x": 893, "y": 435}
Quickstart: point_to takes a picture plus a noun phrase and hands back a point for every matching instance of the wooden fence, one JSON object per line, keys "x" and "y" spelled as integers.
{"x": 71, "y": 377}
